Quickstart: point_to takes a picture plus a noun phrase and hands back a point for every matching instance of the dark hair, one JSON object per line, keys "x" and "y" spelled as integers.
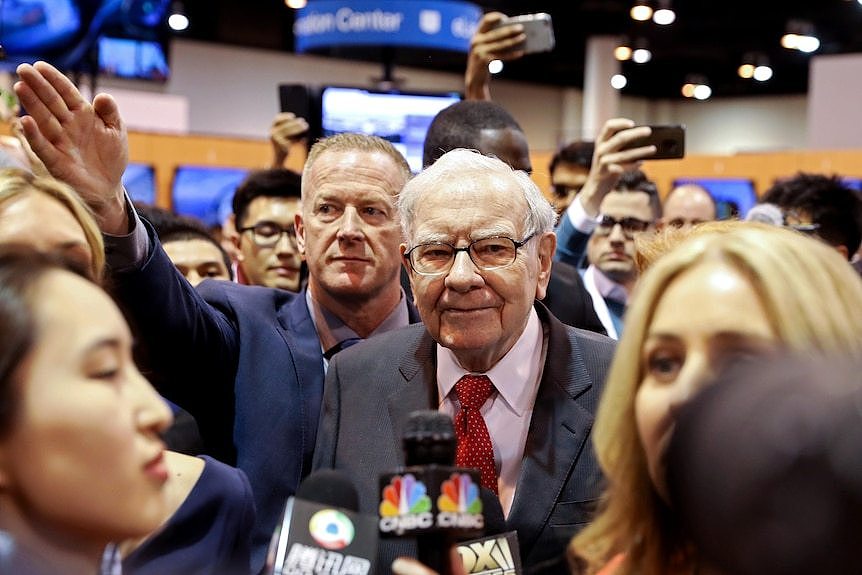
{"x": 637, "y": 181}
{"x": 579, "y": 153}
{"x": 458, "y": 126}
{"x": 832, "y": 205}
{"x": 21, "y": 268}
{"x": 171, "y": 227}
{"x": 275, "y": 183}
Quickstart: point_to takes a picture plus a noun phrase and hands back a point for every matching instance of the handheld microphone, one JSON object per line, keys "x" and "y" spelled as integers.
{"x": 321, "y": 533}
{"x": 430, "y": 498}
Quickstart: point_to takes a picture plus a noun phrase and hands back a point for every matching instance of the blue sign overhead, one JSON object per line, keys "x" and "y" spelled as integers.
{"x": 443, "y": 25}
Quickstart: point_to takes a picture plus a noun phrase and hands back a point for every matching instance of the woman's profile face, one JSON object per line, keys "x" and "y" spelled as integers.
{"x": 38, "y": 220}
{"x": 707, "y": 315}
{"x": 83, "y": 457}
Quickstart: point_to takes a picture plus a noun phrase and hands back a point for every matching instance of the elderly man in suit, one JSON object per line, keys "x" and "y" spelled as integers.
{"x": 248, "y": 362}
{"x": 521, "y": 385}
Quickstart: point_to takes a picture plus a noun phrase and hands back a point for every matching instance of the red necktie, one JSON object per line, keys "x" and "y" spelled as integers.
{"x": 474, "y": 443}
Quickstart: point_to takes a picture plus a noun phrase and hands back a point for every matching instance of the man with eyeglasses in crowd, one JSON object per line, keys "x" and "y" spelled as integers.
{"x": 616, "y": 203}
{"x": 262, "y": 229}
{"x": 521, "y": 385}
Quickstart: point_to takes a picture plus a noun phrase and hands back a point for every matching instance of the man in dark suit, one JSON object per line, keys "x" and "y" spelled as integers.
{"x": 248, "y": 362}
{"x": 521, "y": 385}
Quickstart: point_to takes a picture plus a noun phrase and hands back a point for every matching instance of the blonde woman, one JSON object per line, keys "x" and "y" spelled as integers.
{"x": 731, "y": 289}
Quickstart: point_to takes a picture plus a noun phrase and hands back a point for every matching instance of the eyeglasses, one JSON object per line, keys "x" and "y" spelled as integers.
{"x": 266, "y": 234}
{"x": 630, "y": 226}
{"x": 486, "y": 254}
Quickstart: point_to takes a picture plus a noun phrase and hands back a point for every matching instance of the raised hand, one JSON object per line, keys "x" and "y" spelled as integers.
{"x": 82, "y": 144}
{"x": 287, "y": 129}
{"x": 490, "y": 42}
{"x": 611, "y": 159}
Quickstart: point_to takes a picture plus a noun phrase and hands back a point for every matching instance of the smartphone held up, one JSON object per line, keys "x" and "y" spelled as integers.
{"x": 538, "y": 29}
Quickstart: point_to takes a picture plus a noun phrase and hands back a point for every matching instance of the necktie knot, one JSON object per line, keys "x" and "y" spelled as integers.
{"x": 473, "y": 391}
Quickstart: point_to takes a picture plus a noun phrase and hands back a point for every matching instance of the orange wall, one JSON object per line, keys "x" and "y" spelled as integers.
{"x": 166, "y": 152}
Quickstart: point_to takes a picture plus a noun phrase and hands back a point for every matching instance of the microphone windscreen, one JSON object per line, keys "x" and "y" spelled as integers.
{"x": 766, "y": 213}
{"x": 329, "y": 487}
{"x": 429, "y": 438}
{"x": 495, "y": 522}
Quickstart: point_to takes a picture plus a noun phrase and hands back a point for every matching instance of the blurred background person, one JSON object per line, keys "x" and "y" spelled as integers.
{"x": 81, "y": 461}
{"x": 687, "y": 205}
{"x": 263, "y": 230}
{"x": 731, "y": 290}
{"x": 189, "y": 244}
{"x": 569, "y": 169}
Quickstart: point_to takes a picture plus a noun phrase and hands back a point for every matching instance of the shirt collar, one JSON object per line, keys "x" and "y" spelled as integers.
{"x": 515, "y": 376}
{"x": 609, "y": 288}
{"x": 331, "y": 330}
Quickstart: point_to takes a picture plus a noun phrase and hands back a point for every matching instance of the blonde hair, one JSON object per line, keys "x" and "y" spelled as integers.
{"x": 17, "y": 183}
{"x": 350, "y": 142}
{"x": 813, "y": 299}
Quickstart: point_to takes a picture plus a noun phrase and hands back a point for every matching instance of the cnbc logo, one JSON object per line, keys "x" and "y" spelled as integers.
{"x": 331, "y": 529}
{"x": 459, "y": 503}
{"x": 405, "y": 505}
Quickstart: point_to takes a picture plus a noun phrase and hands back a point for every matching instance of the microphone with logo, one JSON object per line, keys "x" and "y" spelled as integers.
{"x": 321, "y": 532}
{"x": 431, "y": 499}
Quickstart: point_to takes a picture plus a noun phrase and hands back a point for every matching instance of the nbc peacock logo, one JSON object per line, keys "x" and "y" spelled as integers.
{"x": 404, "y": 496}
{"x": 459, "y": 494}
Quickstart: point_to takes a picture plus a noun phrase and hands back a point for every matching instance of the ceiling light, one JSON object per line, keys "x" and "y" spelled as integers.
{"x": 296, "y": 4}
{"x": 641, "y": 11}
{"x": 762, "y": 73}
{"x": 618, "y": 81}
{"x": 702, "y": 92}
{"x": 495, "y": 66}
{"x": 641, "y": 56}
{"x": 664, "y": 15}
{"x": 623, "y": 53}
{"x": 696, "y": 86}
{"x": 178, "y": 21}
{"x": 800, "y": 36}
{"x": 746, "y": 71}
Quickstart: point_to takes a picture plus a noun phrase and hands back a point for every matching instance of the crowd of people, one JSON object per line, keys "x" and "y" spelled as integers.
{"x": 567, "y": 340}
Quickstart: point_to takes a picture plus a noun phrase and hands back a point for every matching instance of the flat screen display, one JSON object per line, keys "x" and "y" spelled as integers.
{"x": 32, "y": 26}
{"x": 131, "y": 58}
{"x": 399, "y": 117}
{"x": 733, "y": 196}
{"x": 140, "y": 181}
{"x": 206, "y": 192}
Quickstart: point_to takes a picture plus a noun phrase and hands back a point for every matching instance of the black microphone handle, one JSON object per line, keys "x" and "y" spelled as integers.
{"x": 433, "y": 550}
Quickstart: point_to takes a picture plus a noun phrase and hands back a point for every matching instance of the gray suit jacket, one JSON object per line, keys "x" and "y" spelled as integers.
{"x": 372, "y": 387}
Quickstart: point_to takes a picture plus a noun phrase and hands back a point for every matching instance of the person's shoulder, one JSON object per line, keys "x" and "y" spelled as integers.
{"x": 224, "y": 481}
{"x": 223, "y": 291}
{"x": 383, "y": 348}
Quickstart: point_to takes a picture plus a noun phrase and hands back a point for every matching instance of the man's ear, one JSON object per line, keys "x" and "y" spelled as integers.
{"x": 406, "y": 263}
{"x": 842, "y": 249}
{"x": 545, "y": 252}
{"x": 300, "y": 233}
{"x": 228, "y": 230}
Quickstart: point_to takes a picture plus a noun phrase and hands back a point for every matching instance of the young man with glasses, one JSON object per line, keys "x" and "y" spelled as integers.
{"x": 263, "y": 232}
{"x": 521, "y": 385}
{"x": 616, "y": 204}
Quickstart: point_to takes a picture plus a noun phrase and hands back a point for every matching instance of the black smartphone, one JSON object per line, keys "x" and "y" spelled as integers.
{"x": 668, "y": 140}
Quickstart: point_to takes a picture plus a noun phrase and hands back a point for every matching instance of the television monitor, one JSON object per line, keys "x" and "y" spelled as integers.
{"x": 34, "y": 26}
{"x": 140, "y": 181}
{"x": 854, "y": 183}
{"x": 206, "y": 192}
{"x": 132, "y": 58}
{"x": 733, "y": 196}
{"x": 399, "y": 117}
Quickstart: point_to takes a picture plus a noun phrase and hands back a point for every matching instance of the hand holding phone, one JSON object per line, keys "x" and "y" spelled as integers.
{"x": 538, "y": 29}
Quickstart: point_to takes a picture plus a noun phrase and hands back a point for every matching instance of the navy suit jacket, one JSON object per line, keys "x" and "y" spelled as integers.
{"x": 246, "y": 362}
{"x": 372, "y": 388}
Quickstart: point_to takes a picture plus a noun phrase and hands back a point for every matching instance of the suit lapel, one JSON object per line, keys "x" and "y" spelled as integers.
{"x": 559, "y": 429}
{"x": 416, "y": 387}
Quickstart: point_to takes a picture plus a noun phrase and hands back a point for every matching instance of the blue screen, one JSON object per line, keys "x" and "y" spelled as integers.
{"x": 206, "y": 192}
{"x": 140, "y": 181}
{"x": 398, "y": 117}
{"x": 36, "y": 25}
{"x": 733, "y": 196}
{"x": 854, "y": 183}
{"x": 128, "y": 58}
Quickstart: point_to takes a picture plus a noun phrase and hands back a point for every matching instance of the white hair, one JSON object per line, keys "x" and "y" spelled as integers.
{"x": 540, "y": 216}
